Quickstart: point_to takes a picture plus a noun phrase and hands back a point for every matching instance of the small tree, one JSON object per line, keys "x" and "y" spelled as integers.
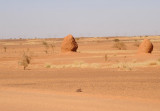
{"x": 25, "y": 60}
{"x": 52, "y": 46}
{"x": 46, "y": 46}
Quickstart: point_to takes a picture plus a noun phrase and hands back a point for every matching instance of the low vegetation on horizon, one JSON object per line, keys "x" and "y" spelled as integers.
{"x": 48, "y": 46}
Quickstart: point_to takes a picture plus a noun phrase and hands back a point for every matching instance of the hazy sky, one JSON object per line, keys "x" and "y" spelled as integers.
{"x": 57, "y": 18}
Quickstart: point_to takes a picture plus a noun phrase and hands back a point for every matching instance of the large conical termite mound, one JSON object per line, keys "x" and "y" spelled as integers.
{"x": 145, "y": 47}
{"x": 69, "y": 44}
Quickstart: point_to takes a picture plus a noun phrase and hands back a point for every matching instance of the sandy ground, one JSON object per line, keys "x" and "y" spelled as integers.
{"x": 15, "y": 100}
{"x": 98, "y": 77}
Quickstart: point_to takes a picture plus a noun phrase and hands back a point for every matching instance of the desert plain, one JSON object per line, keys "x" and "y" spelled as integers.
{"x": 105, "y": 74}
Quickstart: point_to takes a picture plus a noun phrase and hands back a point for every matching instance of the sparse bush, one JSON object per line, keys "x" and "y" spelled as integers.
{"x": 46, "y": 46}
{"x": 116, "y": 40}
{"x": 120, "y": 45}
{"x": 52, "y": 46}
{"x": 5, "y": 49}
{"x": 45, "y": 43}
{"x": 25, "y": 60}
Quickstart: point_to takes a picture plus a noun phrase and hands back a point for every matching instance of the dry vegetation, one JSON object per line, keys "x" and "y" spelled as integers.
{"x": 5, "y": 48}
{"x": 46, "y": 46}
{"x": 100, "y": 71}
{"x": 110, "y": 56}
{"x": 25, "y": 60}
{"x": 120, "y": 45}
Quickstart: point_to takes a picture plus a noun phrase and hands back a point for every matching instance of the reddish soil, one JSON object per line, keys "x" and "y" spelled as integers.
{"x": 109, "y": 79}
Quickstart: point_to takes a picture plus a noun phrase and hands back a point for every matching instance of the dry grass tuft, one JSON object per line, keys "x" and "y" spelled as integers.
{"x": 48, "y": 66}
{"x": 77, "y": 64}
{"x": 152, "y": 63}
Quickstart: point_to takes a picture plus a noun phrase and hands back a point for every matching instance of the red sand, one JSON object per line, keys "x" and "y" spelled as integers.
{"x": 51, "y": 80}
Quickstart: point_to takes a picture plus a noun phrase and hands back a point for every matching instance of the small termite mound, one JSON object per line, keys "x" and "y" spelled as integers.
{"x": 145, "y": 47}
{"x": 69, "y": 44}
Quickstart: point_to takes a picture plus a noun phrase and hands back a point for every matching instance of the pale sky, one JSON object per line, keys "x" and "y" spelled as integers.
{"x": 58, "y": 18}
